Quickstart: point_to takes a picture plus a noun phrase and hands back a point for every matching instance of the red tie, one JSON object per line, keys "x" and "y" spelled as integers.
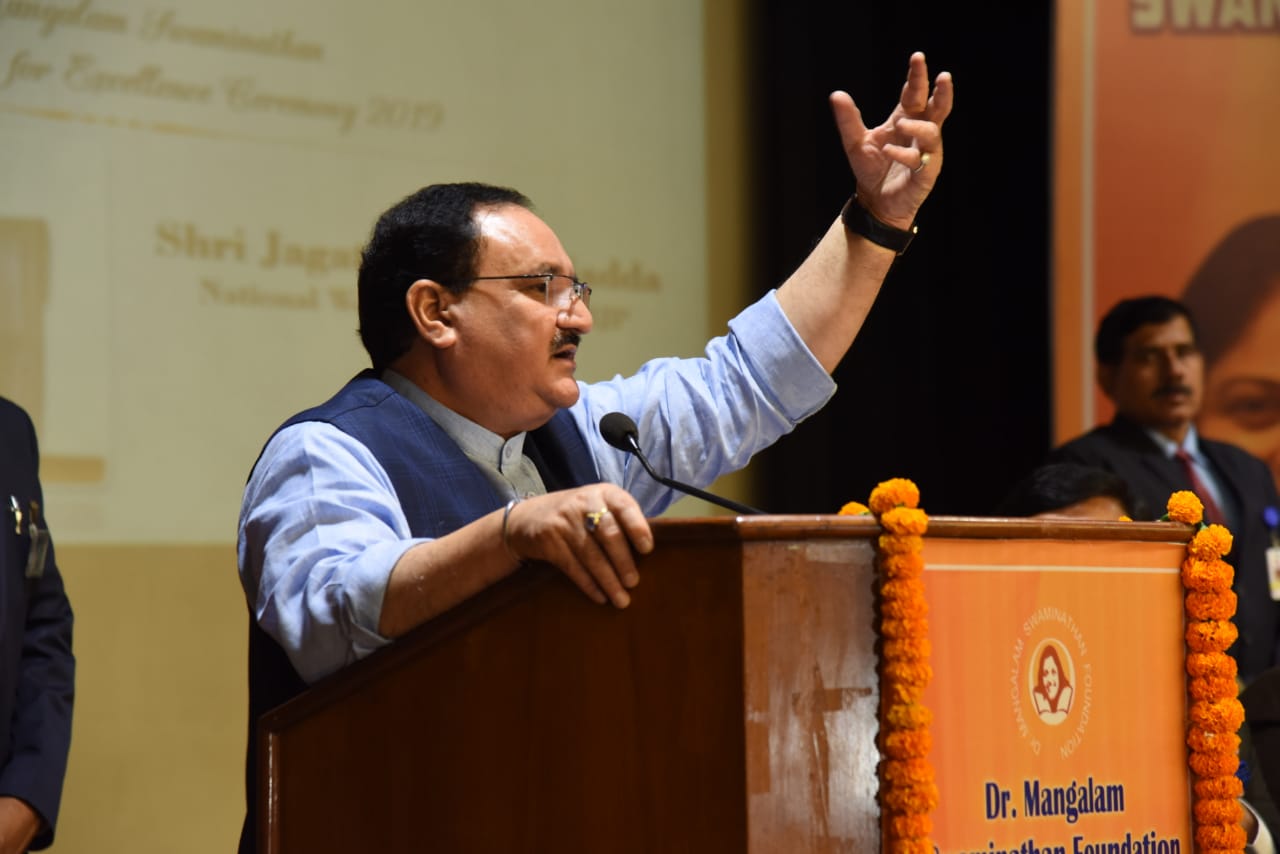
{"x": 1212, "y": 514}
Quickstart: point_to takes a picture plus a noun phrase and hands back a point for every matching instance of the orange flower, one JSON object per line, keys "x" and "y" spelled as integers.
{"x": 1217, "y": 811}
{"x": 1211, "y": 606}
{"x": 853, "y": 508}
{"x": 1213, "y": 742}
{"x": 904, "y": 629}
{"x": 910, "y": 799}
{"x": 902, "y": 692}
{"x": 907, "y": 672}
{"x": 907, "y": 772}
{"x": 910, "y": 826}
{"x": 1211, "y": 635}
{"x": 1229, "y": 786}
{"x": 906, "y": 744}
{"x": 908, "y": 607}
{"x": 893, "y": 544}
{"x": 905, "y": 520}
{"x": 1185, "y": 507}
{"x": 902, "y": 565}
{"x": 1213, "y": 764}
{"x": 908, "y": 716}
{"x": 910, "y": 846}
{"x": 1212, "y": 688}
{"x": 1209, "y": 664}
{"x": 902, "y": 588}
{"x": 897, "y": 492}
{"x": 1207, "y": 576}
{"x": 1225, "y": 837}
{"x": 914, "y": 649}
{"x": 1210, "y": 543}
{"x": 1222, "y": 716}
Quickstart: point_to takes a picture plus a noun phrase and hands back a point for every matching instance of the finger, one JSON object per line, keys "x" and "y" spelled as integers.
{"x": 592, "y": 558}
{"x": 613, "y": 542}
{"x": 915, "y": 92}
{"x": 581, "y": 577}
{"x": 921, "y": 134}
{"x": 848, "y": 120}
{"x": 943, "y": 97}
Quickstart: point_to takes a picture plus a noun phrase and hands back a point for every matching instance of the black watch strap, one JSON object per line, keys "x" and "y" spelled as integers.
{"x": 859, "y": 220}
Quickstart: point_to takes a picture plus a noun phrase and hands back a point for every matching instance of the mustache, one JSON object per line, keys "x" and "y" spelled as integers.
{"x": 1172, "y": 388}
{"x": 565, "y": 338}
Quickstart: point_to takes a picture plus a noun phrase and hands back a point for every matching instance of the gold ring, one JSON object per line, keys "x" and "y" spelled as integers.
{"x": 924, "y": 161}
{"x": 593, "y": 519}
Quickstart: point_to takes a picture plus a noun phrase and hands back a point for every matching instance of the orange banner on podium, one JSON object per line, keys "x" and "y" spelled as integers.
{"x": 1059, "y": 696}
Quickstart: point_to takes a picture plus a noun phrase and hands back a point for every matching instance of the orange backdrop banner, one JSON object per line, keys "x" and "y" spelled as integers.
{"x": 1166, "y": 116}
{"x": 1059, "y": 696}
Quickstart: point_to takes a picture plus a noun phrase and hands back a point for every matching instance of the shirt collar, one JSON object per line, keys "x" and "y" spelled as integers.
{"x": 476, "y": 442}
{"x": 1168, "y": 447}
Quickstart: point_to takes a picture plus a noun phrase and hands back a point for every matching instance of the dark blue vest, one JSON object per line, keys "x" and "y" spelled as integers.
{"x": 439, "y": 490}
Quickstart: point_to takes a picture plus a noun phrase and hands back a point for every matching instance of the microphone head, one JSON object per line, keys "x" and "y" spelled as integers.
{"x": 620, "y": 431}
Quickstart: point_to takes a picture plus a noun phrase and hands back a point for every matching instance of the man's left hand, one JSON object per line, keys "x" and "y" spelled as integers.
{"x": 897, "y": 163}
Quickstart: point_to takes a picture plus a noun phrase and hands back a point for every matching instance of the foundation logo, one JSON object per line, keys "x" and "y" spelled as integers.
{"x": 1051, "y": 682}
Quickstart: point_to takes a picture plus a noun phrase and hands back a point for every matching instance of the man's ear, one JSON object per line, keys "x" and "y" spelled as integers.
{"x": 1106, "y": 376}
{"x": 428, "y": 304}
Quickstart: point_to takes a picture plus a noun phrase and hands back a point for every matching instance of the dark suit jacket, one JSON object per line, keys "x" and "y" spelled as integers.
{"x": 1125, "y": 448}
{"x": 37, "y": 669}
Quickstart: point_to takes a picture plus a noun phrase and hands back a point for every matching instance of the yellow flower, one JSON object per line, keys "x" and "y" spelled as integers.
{"x": 1124, "y": 518}
{"x": 898, "y": 492}
{"x": 1210, "y": 543}
{"x": 853, "y": 508}
{"x": 1185, "y": 507}
{"x": 905, "y": 520}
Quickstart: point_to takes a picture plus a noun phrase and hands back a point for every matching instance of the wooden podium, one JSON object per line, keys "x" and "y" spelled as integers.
{"x": 731, "y": 708}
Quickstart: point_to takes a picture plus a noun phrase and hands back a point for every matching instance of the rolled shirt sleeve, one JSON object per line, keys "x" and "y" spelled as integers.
{"x": 320, "y": 530}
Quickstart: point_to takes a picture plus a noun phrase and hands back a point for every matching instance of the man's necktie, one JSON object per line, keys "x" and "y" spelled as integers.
{"x": 1212, "y": 514}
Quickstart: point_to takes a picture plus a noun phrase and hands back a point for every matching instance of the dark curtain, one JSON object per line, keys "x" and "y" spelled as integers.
{"x": 949, "y": 381}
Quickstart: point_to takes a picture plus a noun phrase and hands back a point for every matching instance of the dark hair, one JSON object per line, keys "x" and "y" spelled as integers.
{"x": 1127, "y": 316}
{"x": 1050, "y": 651}
{"x": 1241, "y": 272}
{"x": 1057, "y": 485}
{"x": 431, "y": 234}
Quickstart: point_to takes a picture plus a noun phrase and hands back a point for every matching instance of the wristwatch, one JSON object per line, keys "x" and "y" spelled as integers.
{"x": 859, "y": 220}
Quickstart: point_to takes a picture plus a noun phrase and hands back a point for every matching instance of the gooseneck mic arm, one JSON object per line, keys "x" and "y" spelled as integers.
{"x": 620, "y": 431}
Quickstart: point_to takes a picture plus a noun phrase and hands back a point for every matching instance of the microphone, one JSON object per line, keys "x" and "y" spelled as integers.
{"x": 620, "y": 431}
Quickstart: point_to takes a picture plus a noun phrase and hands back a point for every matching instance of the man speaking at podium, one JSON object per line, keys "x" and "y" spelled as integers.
{"x": 469, "y": 448}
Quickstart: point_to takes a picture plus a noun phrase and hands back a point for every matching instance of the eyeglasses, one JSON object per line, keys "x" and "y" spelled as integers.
{"x": 558, "y": 291}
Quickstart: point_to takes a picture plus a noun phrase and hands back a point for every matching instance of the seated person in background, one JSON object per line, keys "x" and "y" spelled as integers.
{"x": 1069, "y": 491}
{"x": 1149, "y": 365}
{"x": 1072, "y": 491}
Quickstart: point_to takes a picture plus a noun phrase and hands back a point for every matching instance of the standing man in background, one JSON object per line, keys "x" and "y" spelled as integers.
{"x": 1149, "y": 365}
{"x": 37, "y": 668}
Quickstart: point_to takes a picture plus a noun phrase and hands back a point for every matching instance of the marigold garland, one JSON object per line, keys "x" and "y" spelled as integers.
{"x": 1215, "y": 714}
{"x": 908, "y": 791}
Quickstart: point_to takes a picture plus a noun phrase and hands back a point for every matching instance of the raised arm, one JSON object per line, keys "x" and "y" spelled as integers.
{"x": 894, "y": 166}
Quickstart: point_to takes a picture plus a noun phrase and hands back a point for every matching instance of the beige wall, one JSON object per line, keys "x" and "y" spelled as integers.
{"x": 157, "y": 751}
